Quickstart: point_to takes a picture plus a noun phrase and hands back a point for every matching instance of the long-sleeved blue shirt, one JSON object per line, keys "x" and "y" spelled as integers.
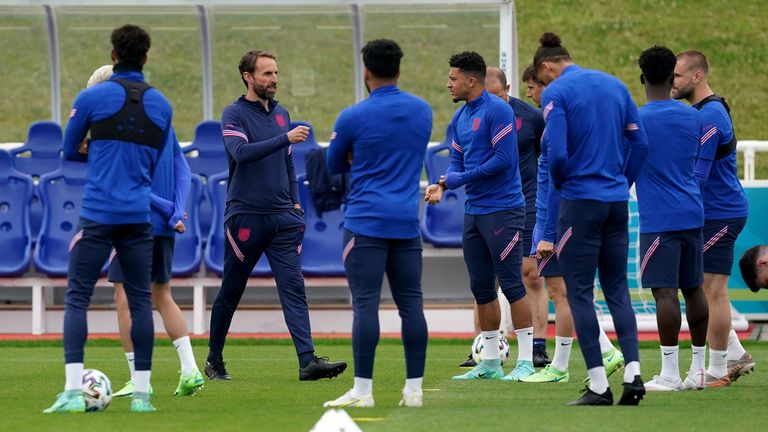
{"x": 723, "y": 195}
{"x": 261, "y": 174}
{"x": 119, "y": 179}
{"x": 588, "y": 115}
{"x": 529, "y": 125}
{"x": 547, "y": 197}
{"x": 170, "y": 188}
{"x": 387, "y": 135}
{"x": 668, "y": 195}
{"x": 484, "y": 156}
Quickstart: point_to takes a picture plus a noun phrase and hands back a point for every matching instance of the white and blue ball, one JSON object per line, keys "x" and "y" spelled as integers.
{"x": 477, "y": 349}
{"x": 97, "y": 390}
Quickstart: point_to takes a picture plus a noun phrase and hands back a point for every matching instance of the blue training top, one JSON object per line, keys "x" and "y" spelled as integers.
{"x": 119, "y": 179}
{"x": 668, "y": 195}
{"x": 723, "y": 195}
{"x": 547, "y": 198}
{"x": 529, "y": 125}
{"x": 387, "y": 135}
{"x": 596, "y": 144}
{"x": 261, "y": 175}
{"x": 170, "y": 188}
{"x": 484, "y": 156}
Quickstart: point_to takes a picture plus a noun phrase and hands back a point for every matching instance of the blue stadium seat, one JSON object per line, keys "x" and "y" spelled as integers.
{"x": 61, "y": 193}
{"x": 299, "y": 151}
{"x": 41, "y": 154}
{"x": 442, "y": 224}
{"x": 214, "y": 249}
{"x": 15, "y": 237}
{"x": 188, "y": 250}
{"x": 206, "y": 157}
{"x": 322, "y": 248}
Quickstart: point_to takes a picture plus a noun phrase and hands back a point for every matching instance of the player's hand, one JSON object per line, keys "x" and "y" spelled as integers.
{"x": 544, "y": 249}
{"x": 298, "y": 134}
{"x": 433, "y": 194}
{"x": 83, "y": 147}
{"x": 349, "y": 158}
{"x": 180, "y": 228}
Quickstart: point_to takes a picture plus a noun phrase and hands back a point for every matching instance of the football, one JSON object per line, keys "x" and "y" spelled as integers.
{"x": 477, "y": 349}
{"x": 97, "y": 390}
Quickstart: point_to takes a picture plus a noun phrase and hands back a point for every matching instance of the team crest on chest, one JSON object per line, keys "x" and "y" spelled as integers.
{"x": 518, "y": 123}
{"x": 280, "y": 120}
{"x": 476, "y": 123}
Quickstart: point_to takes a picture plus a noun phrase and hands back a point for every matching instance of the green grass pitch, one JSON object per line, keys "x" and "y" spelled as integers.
{"x": 266, "y": 394}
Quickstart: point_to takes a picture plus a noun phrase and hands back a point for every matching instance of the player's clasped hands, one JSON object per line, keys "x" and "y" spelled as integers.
{"x": 298, "y": 134}
{"x": 544, "y": 249}
{"x": 434, "y": 192}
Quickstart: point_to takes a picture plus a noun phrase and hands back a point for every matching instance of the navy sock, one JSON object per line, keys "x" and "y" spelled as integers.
{"x": 539, "y": 345}
{"x": 306, "y": 358}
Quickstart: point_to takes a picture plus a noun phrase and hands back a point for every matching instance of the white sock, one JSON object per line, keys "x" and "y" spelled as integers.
{"x": 598, "y": 381}
{"x": 363, "y": 386}
{"x": 605, "y": 344}
{"x": 669, "y": 366}
{"x": 718, "y": 361}
{"x": 130, "y": 358}
{"x": 186, "y": 356}
{"x": 525, "y": 344}
{"x": 735, "y": 350}
{"x": 141, "y": 381}
{"x": 490, "y": 345}
{"x": 631, "y": 370}
{"x": 413, "y": 385}
{"x": 697, "y": 359}
{"x": 563, "y": 347}
{"x": 74, "y": 376}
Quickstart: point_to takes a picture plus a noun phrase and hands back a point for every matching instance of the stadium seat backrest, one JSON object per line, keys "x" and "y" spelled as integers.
{"x": 299, "y": 151}
{"x": 44, "y": 143}
{"x": 41, "y": 154}
{"x": 61, "y": 193}
{"x": 323, "y": 237}
{"x": 211, "y": 157}
{"x": 441, "y": 224}
{"x": 214, "y": 249}
{"x": 206, "y": 156}
{"x": 15, "y": 237}
{"x": 188, "y": 250}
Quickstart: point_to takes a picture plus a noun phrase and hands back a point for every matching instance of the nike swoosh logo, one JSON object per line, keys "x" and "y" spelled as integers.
{"x": 498, "y": 231}
{"x": 488, "y": 338}
{"x": 564, "y": 344}
{"x": 530, "y": 333}
{"x": 482, "y": 374}
{"x": 669, "y": 353}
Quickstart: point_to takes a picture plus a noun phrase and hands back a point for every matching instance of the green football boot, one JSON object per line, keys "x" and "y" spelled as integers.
{"x": 127, "y": 390}
{"x": 487, "y": 369}
{"x": 612, "y": 361}
{"x": 523, "y": 369}
{"x": 140, "y": 403}
{"x": 548, "y": 374}
{"x": 70, "y": 401}
{"x": 189, "y": 384}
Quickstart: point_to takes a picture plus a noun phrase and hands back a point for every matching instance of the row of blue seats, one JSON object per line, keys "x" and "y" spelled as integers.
{"x": 58, "y": 194}
{"x": 61, "y": 196}
{"x": 41, "y": 154}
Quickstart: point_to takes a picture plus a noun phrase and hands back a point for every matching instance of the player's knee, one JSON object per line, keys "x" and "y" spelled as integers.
{"x": 514, "y": 294}
{"x": 666, "y": 295}
{"x": 557, "y": 293}
{"x": 484, "y": 296}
